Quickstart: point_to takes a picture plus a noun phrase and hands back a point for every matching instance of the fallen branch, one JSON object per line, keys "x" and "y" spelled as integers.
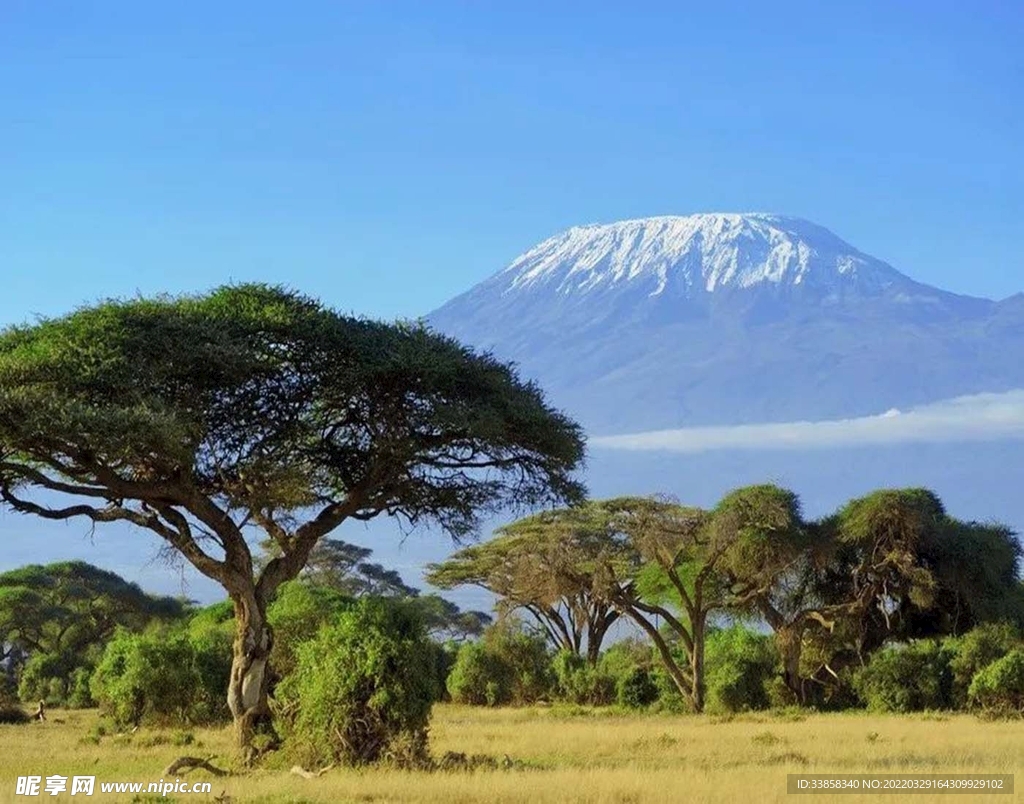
{"x": 305, "y": 774}
{"x": 183, "y": 765}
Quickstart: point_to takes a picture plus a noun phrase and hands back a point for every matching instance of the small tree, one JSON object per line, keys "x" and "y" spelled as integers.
{"x": 580, "y": 682}
{"x": 509, "y": 665}
{"x": 336, "y": 564}
{"x": 196, "y": 418}
{"x": 480, "y": 677}
{"x": 637, "y": 688}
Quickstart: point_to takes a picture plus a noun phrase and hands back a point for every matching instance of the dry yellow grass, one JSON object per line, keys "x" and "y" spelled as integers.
{"x": 584, "y": 757}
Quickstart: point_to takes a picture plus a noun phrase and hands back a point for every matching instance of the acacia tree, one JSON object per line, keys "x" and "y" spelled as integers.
{"x": 645, "y": 558}
{"x": 198, "y": 417}
{"x": 673, "y": 572}
{"x": 541, "y": 565}
{"x": 664, "y": 565}
{"x": 343, "y": 566}
{"x": 70, "y": 605}
{"x": 903, "y": 569}
{"x": 888, "y": 566}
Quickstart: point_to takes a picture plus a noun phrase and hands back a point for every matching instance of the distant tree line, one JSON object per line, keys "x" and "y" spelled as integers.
{"x": 885, "y": 571}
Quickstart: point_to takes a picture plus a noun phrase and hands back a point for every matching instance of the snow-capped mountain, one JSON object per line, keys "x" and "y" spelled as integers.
{"x": 694, "y": 254}
{"x": 731, "y": 318}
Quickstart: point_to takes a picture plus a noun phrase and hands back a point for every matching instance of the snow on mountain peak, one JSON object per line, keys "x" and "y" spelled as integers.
{"x": 695, "y": 253}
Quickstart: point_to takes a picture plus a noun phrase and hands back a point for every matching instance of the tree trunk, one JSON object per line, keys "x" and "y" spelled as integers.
{"x": 598, "y": 623}
{"x": 697, "y": 668}
{"x": 675, "y": 673}
{"x": 790, "y": 644}
{"x": 249, "y": 687}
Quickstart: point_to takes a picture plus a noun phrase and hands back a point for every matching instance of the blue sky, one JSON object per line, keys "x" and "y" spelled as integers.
{"x": 386, "y": 156}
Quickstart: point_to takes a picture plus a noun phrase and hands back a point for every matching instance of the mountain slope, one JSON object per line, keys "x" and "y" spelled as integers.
{"x": 729, "y": 318}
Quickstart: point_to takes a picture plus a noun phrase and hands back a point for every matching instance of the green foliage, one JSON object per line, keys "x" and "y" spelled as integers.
{"x": 762, "y": 527}
{"x": 442, "y": 660}
{"x": 480, "y": 677}
{"x": 300, "y": 610}
{"x": 508, "y": 666}
{"x": 79, "y": 694}
{"x": 543, "y": 565}
{"x": 977, "y": 569}
{"x": 144, "y": 387}
{"x": 579, "y": 682}
{"x": 742, "y": 666}
{"x": 670, "y": 699}
{"x": 631, "y": 664}
{"x": 44, "y": 678}
{"x": 526, "y": 653}
{"x": 637, "y": 689}
{"x": 363, "y": 688}
{"x": 218, "y": 618}
{"x": 55, "y": 619}
{"x": 999, "y": 688}
{"x": 907, "y": 678}
{"x": 977, "y": 649}
{"x": 164, "y": 677}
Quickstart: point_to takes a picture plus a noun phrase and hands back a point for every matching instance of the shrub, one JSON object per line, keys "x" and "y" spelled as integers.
{"x": 741, "y": 668}
{"x": 11, "y": 711}
{"x": 999, "y": 688}
{"x": 526, "y": 653}
{"x": 508, "y": 666}
{"x": 162, "y": 677}
{"x": 79, "y": 695}
{"x": 362, "y": 689}
{"x": 637, "y": 689}
{"x": 44, "y": 678}
{"x": 977, "y": 649}
{"x": 621, "y": 657}
{"x": 907, "y": 678}
{"x": 578, "y": 682}
{"x": 670, "y": 699}
{"x": 443, "y": 658}
{"x": 480, "y": 677}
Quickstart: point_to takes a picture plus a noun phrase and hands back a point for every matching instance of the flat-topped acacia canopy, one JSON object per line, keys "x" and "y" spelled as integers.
{"x": 196, "y": 417}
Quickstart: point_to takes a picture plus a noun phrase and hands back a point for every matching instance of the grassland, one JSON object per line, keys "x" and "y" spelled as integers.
{"x": 563, "y": 756}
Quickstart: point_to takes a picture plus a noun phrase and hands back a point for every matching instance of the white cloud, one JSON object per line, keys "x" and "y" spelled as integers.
{"x": 982, "y": 417}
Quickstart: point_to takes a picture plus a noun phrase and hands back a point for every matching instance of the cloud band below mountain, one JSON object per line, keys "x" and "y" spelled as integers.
{"x": 981, "y": 417}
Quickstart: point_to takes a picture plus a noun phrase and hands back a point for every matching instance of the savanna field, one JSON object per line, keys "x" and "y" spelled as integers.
{"x": 555, "y": 754}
